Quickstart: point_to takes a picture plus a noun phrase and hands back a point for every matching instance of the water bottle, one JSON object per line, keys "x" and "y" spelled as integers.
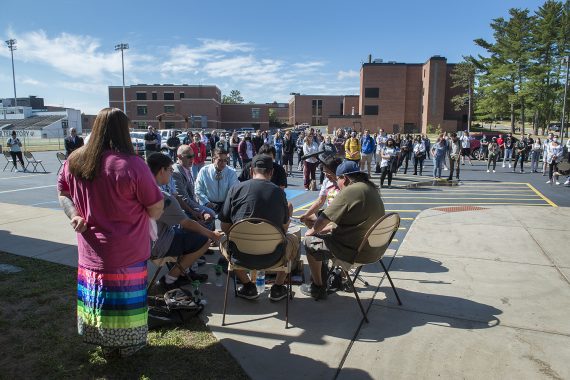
{"x": 260, "y": 281}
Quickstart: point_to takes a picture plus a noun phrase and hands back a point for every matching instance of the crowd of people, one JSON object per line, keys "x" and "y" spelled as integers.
{"x": 126, "y": 210}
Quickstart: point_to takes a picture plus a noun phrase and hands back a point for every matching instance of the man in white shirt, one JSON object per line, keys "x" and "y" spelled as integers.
{"x": 214, "y": 181}
{"x": 466, "y": 148}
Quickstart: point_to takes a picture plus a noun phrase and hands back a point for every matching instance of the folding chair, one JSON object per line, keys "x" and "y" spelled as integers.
{"x": 31, "y": 160}
{"x": 256, "y": 244}
{"x": 61, "y": 158}
{"x": 8, "y": 158}
{"x": 379, "y": 236}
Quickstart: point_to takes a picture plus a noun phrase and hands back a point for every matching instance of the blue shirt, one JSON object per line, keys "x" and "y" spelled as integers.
{"x": 367, "y": 145}
{"x": 210, "y": 189}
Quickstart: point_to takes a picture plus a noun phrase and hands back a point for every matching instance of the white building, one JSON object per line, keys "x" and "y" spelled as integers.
{"x": 31, "y": 123}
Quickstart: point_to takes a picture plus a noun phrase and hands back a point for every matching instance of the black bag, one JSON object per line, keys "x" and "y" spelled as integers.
{"x": 174, "y": 307}
{"x": 377, "y": 169}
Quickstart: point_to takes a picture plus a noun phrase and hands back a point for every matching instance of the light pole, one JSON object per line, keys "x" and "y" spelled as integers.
{"x": 12, "y": 46}
{"x": 567, "y": 58}
{"x": 123, "y": 47}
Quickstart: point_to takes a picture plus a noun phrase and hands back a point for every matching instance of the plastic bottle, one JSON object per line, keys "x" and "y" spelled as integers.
{"x": 260, "y": 281}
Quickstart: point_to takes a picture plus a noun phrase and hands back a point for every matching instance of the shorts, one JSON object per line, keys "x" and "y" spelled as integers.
{"x": 316, "y": 246}
{"x": 466, "y": 152}
{"x": 185, "y": 242}
{"x": 287, "y": 159}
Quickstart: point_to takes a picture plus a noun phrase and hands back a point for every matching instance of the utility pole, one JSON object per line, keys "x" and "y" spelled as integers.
{"x": 122, "y": 47}
{"x": 12, "y": 46}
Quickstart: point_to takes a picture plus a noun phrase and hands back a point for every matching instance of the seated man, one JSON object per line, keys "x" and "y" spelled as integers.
{"x": 259, "y": 198}
{"x": 279, "y": 176}
{"x": 352, "y": 212}
{"x": 188, "y": 241}
{"x": 184, "y": 187}
{"x": 214, "y": 181}
{"x": 328, "y": 192}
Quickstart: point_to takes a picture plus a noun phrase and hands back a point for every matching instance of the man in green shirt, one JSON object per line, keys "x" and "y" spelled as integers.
{"x": 352, "y": 212}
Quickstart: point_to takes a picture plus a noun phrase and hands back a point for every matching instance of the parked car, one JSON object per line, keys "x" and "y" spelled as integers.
{"x": 137, "y": 138}
{"x": 165, "y": 134}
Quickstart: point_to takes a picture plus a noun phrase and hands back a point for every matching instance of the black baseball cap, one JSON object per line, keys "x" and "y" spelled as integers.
{"x": 262, "y": 161}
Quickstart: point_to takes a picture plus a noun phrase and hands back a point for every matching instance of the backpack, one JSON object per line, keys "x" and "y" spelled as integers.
{"x": 174, "y": 307}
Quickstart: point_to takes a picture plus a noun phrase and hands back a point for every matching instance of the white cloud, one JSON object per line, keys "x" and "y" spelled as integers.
{"x": 75, "y": 56}
{"x": 347, "y": 74}
{"x": 309, "y": 65}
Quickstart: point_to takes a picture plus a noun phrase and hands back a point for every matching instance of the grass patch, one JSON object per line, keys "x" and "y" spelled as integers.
{"x": 39, "y": 335}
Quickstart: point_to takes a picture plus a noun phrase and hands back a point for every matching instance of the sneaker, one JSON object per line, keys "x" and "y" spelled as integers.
{"x": 494, "y": 171}
{"x": 503, "y": 165}
{"x": 312, "y": 290}
{"x": 510, "y": 165}
{"x": 548, "y": 181}
{"x": 278, "y": 292}
{"x": 567, "y": 183}
{"x": 248, "y": 291}
{"x": 209, "y": 252}
{"x": 180, "y": 282}
{"x": 558, "y": 183}
{"x": 522, "y": 171}
{"x": 488, "y": 171}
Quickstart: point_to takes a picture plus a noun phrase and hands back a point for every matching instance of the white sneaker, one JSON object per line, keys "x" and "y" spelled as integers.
{"x": 503, "y": 165}
{"x": 558, "y": 183}
{"x": 509, "y": 165}
{"x": 488, "y": 171}
{"x": 494, "y": 171}
{"x": 567, "y": 183}
{"x": 548, "y": 181}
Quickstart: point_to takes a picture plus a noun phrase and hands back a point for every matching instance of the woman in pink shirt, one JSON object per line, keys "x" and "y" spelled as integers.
{"x": 199, "y": 149}
{"x": 110, "y": 195}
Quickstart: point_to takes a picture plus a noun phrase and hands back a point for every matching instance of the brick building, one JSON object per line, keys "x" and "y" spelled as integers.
{"x": 314, "y": 109}
{"x": 176, "y": 105}
{"x": 182, "y": 106}
{"x": 407, "y": 98}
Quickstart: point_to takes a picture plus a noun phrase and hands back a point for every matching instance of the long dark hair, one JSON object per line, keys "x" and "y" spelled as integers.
{"x": 110, "y": 132}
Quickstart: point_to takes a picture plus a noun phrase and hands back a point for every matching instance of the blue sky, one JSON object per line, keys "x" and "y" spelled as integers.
{"x": 265, "y": 49}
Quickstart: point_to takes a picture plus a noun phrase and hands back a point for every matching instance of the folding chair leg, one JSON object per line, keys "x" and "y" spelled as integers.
{"x": 358, "y": 277}
{"x": 287, "y": 301}
{"x": 356, "y": 295}
{"x": 9, "y": 163}
{"x": 45, "y": 171}
{"x": 391, "y": 283}
{"x": 226, "y": 297}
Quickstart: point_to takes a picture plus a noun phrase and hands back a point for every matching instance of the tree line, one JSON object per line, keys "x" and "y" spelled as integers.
{"x": 522, "y": 76}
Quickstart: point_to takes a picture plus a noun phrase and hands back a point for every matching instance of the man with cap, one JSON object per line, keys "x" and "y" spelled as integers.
{"x": 352, "y": 212}
{"x": 259, "y": 198}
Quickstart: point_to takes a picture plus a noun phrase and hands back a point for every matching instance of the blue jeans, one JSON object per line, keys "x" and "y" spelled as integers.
{"x": 437, "y": 166}
{"x": 278, "y": 156}
{"x": 236, "y": 159}
{"x": 508, "y": 155}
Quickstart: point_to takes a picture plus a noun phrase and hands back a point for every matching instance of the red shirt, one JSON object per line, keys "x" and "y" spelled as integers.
{"x": 500, "y": 142}
{"x": 199, "y": 152}
{"x": 114, "y": 207}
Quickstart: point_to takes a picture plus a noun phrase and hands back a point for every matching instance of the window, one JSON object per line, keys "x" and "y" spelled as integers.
{"x": 255, "y": 113}
{"x": 142, "y": 110}
{"x": 154, "y": 96}
{"x": 169, "y": 96}
{"x": 182, "y": 95}
{"x": 141, "y": 95}
{"x": 141, "y": 124}
{"x": 169, "y": 109}
{"x": 371, "y": 110}
{"x": 317, "y": 107}
{"x": 371, "y": 92}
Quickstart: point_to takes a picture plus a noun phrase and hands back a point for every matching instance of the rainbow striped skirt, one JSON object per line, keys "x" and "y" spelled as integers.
{"x": 112, "y": 306}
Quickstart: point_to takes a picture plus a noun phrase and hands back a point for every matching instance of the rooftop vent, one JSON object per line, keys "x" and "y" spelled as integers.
{"x": 378, "y": 60}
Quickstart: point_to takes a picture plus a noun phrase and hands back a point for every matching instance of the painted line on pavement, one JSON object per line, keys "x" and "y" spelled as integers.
{"x": 25, "y": 189}
{"x": 470, "y": 203}
{"x": 24, "y": 176}
{"x": 541, "y": 195}
{"x": 43, "y": 203}
{"x": 457, "y": 198}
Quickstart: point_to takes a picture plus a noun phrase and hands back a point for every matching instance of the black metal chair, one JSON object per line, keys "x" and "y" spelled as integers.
{"x": 256, "y": 244}
{"x": 379, "y": 236}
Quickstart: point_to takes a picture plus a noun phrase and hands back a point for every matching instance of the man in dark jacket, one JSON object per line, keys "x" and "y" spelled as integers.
{"x": 72, "y": 142}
